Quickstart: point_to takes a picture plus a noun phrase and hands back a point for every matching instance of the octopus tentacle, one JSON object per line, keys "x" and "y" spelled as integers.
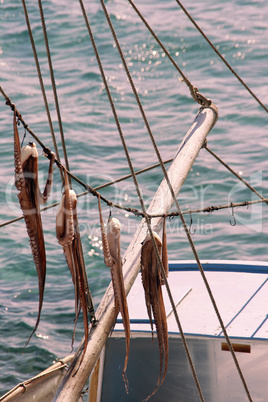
{"x": 155, "y": 293}
{"x": 47, "y": 190}
{"x": 146, "y": 261}
{"x": 164, "y": 251}
{"x": 26, "y": 181}
{"x": 108, "y": 260}
{"x": 112, "y": 259}
{"x": 165, "y": 334}
{"x": 64, "y": 218}
{"x": 151, "y": 279}
{"x": 162, "y": 306}
{"x": 82, "y": 285}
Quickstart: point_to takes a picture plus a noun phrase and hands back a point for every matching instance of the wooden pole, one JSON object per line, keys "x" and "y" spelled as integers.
{"x": 72, "y": 385}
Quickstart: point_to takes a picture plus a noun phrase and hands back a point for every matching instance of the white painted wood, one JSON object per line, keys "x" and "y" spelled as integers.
{"x": 72, "y": 386}
{"x": 241, "y": 298}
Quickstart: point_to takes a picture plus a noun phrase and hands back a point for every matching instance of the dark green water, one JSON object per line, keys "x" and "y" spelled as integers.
{"x": 239, "y": 30}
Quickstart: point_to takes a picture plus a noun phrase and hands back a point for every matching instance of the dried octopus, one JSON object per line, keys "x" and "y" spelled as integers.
{"x": 68, "y": 236}
{"x": 152, "y": 280}
{"x": 26, "y": 181}
{"x": 112, "y": 259}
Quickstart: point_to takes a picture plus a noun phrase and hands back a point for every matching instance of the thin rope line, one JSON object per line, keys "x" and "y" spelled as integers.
{"x": 41, "y": 83}
{"x": 25, "y": 125}
{"x": 216, "y": 208}
{"x": 179, "y": 210}
{"x": 148, "y": 221}
{"x": 135, "y": 212}
{"x": 221, "y": 57}
{"x": 201, "y": 99}
{"x": 233, "y": 172}
{"x": 53, "y": 85}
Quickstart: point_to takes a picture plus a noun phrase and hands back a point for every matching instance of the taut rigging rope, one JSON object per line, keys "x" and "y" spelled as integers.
{"x": 220, "y": 56}
{"x": 233, "y": 172}
{"x": 54, "y": 87}
{"x": 199, "y": 98}
{"x": 137, "y": 213}
{"x": 41, "y": 85}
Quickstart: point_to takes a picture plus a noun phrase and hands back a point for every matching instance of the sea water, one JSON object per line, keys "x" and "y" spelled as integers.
{"x": 238, "y": 29}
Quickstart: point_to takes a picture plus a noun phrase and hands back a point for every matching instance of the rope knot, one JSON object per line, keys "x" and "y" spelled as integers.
{"x": 197, "y": 96}
{"x": 202, "y": 100}
{"x": 9, "y": 103}
{"x": 48, "y": 153}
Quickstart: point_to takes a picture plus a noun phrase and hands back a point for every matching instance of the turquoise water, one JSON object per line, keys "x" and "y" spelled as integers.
{"x": 239, "y": 30}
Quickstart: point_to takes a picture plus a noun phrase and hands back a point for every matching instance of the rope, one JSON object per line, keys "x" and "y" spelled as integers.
{"x": 53, "y": 86}
{"x": 233, "y": 172}
{"x": 221, "y": 57}
{"x": 41, "y": 84}
{"x": 212, "y": 208}
{"x": 201, "y": 99}
{"x": 136, "y": 212}
{"x": 183, "y": 222}
{"x": 12, "y": 106}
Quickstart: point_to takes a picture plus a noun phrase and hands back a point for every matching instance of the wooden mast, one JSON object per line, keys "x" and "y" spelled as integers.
{"x": 72, "y": 385}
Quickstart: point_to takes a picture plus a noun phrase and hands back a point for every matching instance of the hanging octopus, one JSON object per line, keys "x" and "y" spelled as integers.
{"x": 152, "y": 280}
{"x": 67, "y": 232}
{"x": 112, "y": 259}
{"x": 26, "y": 181}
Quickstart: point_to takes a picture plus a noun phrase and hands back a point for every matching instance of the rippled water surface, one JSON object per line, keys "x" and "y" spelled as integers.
{"x": 239, "y": 31}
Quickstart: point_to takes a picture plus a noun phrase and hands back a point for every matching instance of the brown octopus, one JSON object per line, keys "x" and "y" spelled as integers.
{"x": 26, "y": 181}
{"x": 67, "y": 232}
{"x": 152, "y": 280}
{"x": 112, "y": 259}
